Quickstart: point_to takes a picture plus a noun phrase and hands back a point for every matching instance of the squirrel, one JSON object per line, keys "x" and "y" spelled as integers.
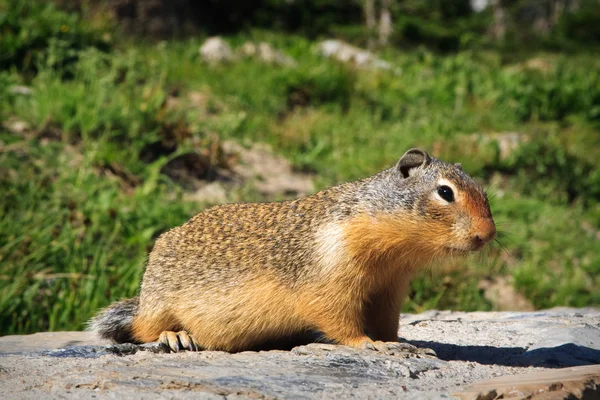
{"x": 339, "y": 262}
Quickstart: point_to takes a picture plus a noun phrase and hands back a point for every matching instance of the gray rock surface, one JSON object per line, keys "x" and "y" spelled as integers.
{"x": 563, "y": 344}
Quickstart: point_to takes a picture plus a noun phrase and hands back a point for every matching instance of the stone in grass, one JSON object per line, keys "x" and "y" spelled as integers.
{"x": 216, "y": 51}
{"x": 266, "y": 53}
{"x": 346, "y": 53}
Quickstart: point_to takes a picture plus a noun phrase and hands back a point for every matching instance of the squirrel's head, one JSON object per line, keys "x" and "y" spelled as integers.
{"x": 429, "y": 206}
{"x": 452, "y": 207}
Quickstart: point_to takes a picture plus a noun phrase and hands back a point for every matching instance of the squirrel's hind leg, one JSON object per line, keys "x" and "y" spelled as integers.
{"x": 150, "y": 328}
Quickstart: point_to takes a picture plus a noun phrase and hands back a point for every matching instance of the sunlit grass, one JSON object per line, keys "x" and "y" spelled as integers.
{"x": 73, "y": 238}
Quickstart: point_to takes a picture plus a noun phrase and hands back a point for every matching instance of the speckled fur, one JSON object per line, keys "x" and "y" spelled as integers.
{"x": 339, "y": 262}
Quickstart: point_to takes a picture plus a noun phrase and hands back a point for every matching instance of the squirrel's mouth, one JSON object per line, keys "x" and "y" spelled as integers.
{"x": 459, "y": 251}
{"x": 464, "y": 248}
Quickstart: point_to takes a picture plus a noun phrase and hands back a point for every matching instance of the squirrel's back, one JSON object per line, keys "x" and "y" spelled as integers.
{"x": 238, "y": 238}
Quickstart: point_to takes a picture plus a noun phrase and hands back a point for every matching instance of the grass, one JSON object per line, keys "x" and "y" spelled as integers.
{"x": 81, "y": 209}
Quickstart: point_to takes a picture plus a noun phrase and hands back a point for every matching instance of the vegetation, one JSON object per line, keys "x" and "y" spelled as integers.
{"x": 81, "y": 206}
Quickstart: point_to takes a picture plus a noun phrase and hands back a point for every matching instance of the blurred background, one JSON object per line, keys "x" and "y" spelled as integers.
{"x": 120, "y": 119}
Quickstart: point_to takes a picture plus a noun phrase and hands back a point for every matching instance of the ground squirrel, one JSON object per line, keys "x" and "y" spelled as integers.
{"x": 240, "y": 276}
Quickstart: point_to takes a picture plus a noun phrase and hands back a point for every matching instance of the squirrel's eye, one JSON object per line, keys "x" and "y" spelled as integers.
{"x": 446, "y": 193}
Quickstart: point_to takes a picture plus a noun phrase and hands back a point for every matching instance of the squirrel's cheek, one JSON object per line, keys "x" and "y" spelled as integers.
{"x": 461, "y": 231}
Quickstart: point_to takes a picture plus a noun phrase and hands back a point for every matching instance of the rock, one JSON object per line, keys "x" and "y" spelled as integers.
{"x": 551, "y": 338}
{"x": 266, "y": 53}
{"x": 215, "y": 50}
{"x": 20, "y": 89}
{"x": 248, "y": 49}
{"x": 347, "y": 53}
{"x": 17, "y": 126}
{"x": 543, "y": 354}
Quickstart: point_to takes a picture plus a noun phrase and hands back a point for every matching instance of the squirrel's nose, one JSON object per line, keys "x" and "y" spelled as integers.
{"x": 486, "y": 233}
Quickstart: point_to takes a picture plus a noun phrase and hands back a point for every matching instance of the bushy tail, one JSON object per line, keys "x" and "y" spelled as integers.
{"x": 114, "y": 322}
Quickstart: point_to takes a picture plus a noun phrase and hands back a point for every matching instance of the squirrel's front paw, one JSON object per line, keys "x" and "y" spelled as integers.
{"x": 396, "y": 348}
{"x": 179, "y": 341}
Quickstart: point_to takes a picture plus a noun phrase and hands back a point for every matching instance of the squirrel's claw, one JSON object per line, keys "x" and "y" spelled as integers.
{"x": 187, "y": 341}
{"x": 170, "y": 339}
{"x": 178, "y": 341}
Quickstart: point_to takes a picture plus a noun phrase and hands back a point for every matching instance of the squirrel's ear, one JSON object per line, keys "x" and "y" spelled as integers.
{"x": 413, "y": 158}
{"x": 458, "y": 165}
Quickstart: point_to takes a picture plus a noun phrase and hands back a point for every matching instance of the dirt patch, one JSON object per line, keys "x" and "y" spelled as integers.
{"x": 272, "y": 176}
{"x": 190, "y": 170}
{"x": 501, "y": 292}
{"x": 208, "y": 169}
{"x": 198, "y": 101}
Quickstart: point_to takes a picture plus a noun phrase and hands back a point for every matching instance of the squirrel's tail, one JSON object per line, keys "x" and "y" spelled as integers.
{"x": 115, "y": 321}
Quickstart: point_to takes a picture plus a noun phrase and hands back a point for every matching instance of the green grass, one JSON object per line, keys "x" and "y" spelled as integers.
{"x": 74, "y": 235}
